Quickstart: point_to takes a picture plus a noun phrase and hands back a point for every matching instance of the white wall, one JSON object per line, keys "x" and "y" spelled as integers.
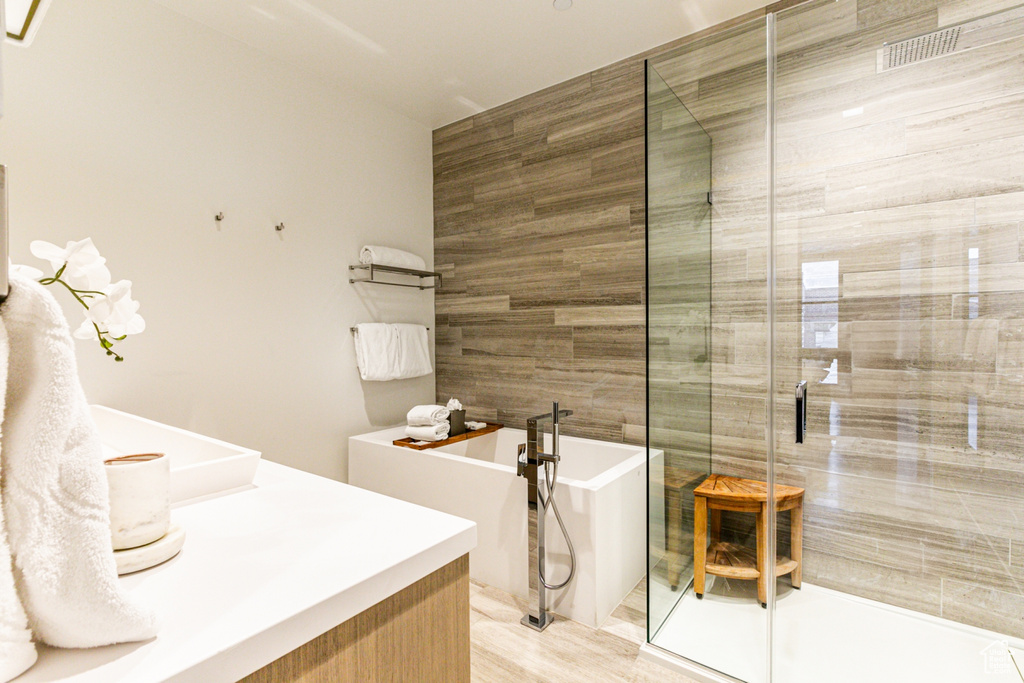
{"x": 133, "y": 125}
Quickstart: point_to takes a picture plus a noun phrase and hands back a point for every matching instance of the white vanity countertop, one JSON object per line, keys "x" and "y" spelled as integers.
{"x": 263, "y": 571}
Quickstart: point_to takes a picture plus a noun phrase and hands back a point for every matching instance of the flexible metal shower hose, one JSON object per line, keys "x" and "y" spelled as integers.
{"x": 551, "y": 481}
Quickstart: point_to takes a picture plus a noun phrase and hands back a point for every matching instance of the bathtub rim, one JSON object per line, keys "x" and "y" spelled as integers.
{"x": 385, "y": 437}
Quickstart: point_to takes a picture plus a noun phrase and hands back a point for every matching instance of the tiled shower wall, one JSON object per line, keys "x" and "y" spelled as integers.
{"x": 908, "y": 183}
{"x": 539, "y": 234}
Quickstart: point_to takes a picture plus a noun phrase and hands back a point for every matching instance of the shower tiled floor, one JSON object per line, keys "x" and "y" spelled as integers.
{"x": 505, "y": 650}
{"x": 825, "y": 636}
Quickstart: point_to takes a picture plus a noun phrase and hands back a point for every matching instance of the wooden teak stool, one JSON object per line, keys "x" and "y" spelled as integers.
{"x": 733, "y": 561}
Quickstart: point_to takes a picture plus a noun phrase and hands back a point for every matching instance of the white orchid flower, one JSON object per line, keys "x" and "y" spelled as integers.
{"x": 24, "y": 271}
{"x": 115, "y": 313}
{"x": 86, "y": 269}
{"x": 110, "y": 312}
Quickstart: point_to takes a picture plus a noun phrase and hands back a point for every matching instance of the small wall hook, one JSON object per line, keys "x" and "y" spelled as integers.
{"x": 219, "y": 217}
{"x": 279, "y": 227}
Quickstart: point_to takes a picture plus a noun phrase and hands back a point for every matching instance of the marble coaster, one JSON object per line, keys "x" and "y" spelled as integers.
{"x": 151, "y": 554}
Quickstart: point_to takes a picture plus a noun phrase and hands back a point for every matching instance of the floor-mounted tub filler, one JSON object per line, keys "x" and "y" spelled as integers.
{"x": 601, "y": 495}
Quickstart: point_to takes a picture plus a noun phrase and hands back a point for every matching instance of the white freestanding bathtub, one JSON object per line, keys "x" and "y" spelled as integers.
{"x": 601, "y": 493}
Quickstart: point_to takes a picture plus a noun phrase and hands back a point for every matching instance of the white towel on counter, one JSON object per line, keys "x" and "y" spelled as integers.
{"x": 17, "y": 652}
{"x": 438, "y": 432}
{"x": 387, "y": 256}
{"x": 427, "y": 416}
{"x": 55, "y": 497}
{"x": 385, "y": 351}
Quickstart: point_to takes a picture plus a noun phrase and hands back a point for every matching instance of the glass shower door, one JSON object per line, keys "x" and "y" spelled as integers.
{"x": 678, "y": 335}
{"x": 899, "y": 149}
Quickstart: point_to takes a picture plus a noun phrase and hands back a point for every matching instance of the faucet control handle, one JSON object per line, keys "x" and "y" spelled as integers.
{"x": 521, "y": 461}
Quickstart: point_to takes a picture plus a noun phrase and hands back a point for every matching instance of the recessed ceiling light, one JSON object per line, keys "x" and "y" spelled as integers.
{"x": 562, "y": 4}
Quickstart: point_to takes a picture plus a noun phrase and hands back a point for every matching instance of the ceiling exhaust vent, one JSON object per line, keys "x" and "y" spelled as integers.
{"x": 920, "y": 48}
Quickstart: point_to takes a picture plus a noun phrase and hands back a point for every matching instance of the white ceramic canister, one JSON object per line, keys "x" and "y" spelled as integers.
{"x": 140, "y": 498}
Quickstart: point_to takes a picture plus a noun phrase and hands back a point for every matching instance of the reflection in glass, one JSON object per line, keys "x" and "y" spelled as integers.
{"x": 820, "y": 284}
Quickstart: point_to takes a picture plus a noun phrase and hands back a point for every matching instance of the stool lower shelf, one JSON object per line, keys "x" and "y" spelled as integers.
{"x": 734, "y": 561}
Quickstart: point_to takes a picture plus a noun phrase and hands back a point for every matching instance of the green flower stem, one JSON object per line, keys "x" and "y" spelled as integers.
{"x": 105, "y": 343}
{"x": 74, "y": 292}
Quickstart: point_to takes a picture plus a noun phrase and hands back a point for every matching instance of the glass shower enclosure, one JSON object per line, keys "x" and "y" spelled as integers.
{"x": 678, "y": 323}
{"x": 836, "y": 202}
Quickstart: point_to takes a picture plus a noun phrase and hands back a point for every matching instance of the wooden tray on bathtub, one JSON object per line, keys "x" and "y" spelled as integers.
{"x": 411, "y": 443}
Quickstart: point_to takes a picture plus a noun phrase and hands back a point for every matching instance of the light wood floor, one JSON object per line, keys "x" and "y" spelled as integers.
{"x": 505, "y": 650}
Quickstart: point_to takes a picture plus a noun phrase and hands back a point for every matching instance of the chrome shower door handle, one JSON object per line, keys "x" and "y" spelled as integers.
{"x": 801, "y": 411}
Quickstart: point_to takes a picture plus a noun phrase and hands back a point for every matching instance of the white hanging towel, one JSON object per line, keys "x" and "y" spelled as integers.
{"x": 391, "y": 257}
{"x": 55, "y": 497}
{"x": 413, "y": 351}
{"x": 17, "y": 653}
{"x": 385, "y": 351}
{"x": 427, "y": 416}
{"x": 376, "y": 351}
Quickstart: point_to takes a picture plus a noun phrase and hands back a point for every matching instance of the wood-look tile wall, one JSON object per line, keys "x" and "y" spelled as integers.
{"x": 913, "y": 180}
{"x": 539, "y": 232}
{"x": 678, "y": 285}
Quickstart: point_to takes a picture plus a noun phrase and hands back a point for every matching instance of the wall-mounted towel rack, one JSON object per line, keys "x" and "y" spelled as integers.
{"x": 374, "y": 268}
{"x": 354, "y": 329}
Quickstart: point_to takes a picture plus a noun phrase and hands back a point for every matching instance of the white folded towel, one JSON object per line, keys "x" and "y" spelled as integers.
{"x": 17, "y": 653}
{"x": 391, "y": 257}
{"x": 438, "y": 432}
{"x": 427, "y": 416}
{"x": 385, "y": 351}
{"x": 55, "y": 496}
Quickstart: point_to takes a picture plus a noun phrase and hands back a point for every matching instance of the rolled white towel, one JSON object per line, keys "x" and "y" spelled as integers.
{"x": 438, "y": 432}
{"x": 386, "y": 256}
{"x": 427, "y": 416}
